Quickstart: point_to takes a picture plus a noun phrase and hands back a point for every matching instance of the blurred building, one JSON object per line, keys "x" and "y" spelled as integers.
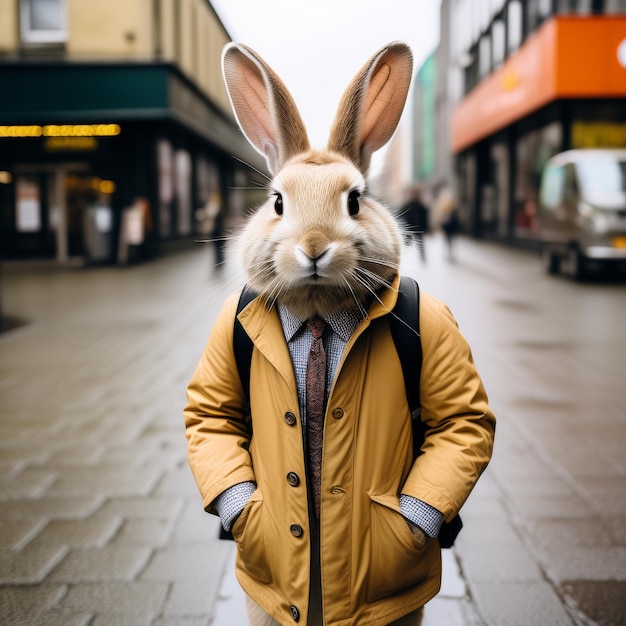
{"x": 519, "y": 81}
{"x": 116, "y": 133}
{"x": 431, "y": 112}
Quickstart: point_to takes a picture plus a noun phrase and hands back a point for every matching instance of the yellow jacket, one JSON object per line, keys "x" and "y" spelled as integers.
{"x": 373, "y": 568}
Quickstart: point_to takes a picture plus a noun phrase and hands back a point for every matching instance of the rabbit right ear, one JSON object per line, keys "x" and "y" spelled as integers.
{"x": 371, "y": 106}
{"x": 263, "y": 106}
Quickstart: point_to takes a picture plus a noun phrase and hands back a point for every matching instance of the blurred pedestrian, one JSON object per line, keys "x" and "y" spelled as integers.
{"x": 448, "y": 214}
{"x": 414, "y": 215}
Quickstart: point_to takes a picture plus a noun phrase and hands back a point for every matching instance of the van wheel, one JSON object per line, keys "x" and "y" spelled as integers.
{"x": 550, "y": 260}
{"x": 576, "y": 264}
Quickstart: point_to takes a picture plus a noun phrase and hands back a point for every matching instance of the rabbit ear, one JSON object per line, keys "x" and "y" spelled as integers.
{"x": 371, "y": 106}
{"x": 264, "y": 108}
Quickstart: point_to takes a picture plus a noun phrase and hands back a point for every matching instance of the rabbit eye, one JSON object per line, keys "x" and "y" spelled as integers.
{"x": 278, "y": 204}
{"x": 353, "y": 202}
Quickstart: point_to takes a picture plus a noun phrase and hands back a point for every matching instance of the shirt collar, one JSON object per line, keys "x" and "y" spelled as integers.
{"x": 343, "y": 323}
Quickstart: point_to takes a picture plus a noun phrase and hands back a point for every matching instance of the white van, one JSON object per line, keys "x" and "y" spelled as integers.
{"x": 582, "y": 210}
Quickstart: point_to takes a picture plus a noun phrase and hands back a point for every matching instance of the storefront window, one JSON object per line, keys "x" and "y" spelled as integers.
{"x": 208, "y": 214}
{"x": 27, "y": 205}
{"x": 498, "y": 37}
{"x": 615, "y": 6}
{"x": 514, "y": 26}
{"x": 573, "y": 6}
{"x": 183, "y": 192}
{"x": 484, "y": 56}
{"x": 166, "y": 186}
{"x": 43, "y": 21}
{"x": 532, "y": 153}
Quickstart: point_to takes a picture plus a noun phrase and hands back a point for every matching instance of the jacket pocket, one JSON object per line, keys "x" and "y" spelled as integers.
{"x": 398, "y": 559}
{"x": 249, "y": 533}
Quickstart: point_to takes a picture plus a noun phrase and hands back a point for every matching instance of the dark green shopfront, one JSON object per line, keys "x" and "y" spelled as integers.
{"x": 99, "y": 159}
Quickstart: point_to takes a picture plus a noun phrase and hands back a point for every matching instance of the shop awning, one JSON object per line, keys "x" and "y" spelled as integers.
{"x": 83, "y": 93}
{"x": 568, "y": 57}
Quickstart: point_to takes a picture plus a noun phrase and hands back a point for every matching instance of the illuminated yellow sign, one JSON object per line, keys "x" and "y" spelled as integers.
{"x": 71, "y": 143}
{"x": 62, "y": 130}
{"x": 598, "y": 135}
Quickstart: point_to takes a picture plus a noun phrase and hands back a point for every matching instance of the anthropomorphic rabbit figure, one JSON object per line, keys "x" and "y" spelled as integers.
{"x": 335, "y": 520}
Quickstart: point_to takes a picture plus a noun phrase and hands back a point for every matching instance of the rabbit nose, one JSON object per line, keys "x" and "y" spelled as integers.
{"x": 308, "y": 258}
{"x": 314, "y": 266}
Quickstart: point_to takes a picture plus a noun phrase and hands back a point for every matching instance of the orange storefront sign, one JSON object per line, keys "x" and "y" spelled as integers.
{"x": 568, "y": 57}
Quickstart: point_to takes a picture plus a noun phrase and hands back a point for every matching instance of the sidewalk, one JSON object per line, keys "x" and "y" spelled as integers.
{"x": 100, "y": 520}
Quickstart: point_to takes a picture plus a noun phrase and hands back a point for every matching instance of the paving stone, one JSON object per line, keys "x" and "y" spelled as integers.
{"x": 56, "y": 618}
{"x": 515, "y": 604}
{"x": 447, "y": 612}
{"x": 32, "y": 455}
{"x": 584, "y": 564}
{"x": 543, "y": 506}
{"x": 109, "y": 482}
{"x": 195, "y": 526}
{"x": 95, "y": 532}
{"x": 139, "y": 600}
{"x": 114, "y": 619}
{"x": 29, "y": 565}
{"x": 503, "y": 563}
{"x": 16, "y": 530}
{"x": 601, "y": 602}
{"x": 191, "y": 598}
{"x": 105, "y": 564}
{"x": 21, "y": 603}
{"x": 202, "y": 562}
{"x": 31, "y": 483}
{"x": 154, "y": 533}
{"x": 189, "y": 621}
{"x": 567, "y": 534}
{"x": 148, "y": 507}
{"x": 177, "y": 482}
{"x": 54, "y": 508}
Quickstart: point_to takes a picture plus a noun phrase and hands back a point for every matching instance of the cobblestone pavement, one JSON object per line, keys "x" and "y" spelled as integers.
{"x": 100, "y": 520}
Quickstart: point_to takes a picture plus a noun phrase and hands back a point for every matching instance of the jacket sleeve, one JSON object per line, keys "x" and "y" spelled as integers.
{"x": 215, "y": 416}
{"x": 459, "y": 424}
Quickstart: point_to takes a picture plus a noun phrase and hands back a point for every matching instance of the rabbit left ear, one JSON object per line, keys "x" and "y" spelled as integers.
{"x": 263, "y": 106}
{"x": 371, "y": 106}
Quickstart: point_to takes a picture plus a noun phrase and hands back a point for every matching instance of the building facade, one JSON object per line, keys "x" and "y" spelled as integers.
{"x": 116, "y": 135}
{"x": 528, "y": 80}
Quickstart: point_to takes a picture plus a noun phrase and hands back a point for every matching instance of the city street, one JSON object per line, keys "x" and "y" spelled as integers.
{"x": 100, "y": 520}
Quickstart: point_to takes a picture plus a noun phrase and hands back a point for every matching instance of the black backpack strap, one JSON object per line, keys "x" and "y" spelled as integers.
{"x": 242, "y": 344}
{"x": 405, "y": 328}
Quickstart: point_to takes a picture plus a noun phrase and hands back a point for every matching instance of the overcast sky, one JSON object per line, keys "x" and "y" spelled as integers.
{"x": 317, "y": 46}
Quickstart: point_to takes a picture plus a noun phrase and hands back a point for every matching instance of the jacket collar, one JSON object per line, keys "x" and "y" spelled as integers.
{"x": 264, "y": 328}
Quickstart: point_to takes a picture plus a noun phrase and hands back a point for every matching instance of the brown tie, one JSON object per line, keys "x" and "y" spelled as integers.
{"x": 315, "y": 400}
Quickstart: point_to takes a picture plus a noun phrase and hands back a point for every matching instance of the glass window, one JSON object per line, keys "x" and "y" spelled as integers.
{"x": 43, "y": 21}
{"x": 27, "y": 205}
{"x": 545, "y": 8}
{"x": 484, "y": 56}
{"x": 514, "y": 26}
{"x": 498, "y": 41}
{"x": 573, "y": 6}
{"x": 615, "y": 6}
{"x": 552, "y": 187}
{"x": 602, "y": 175}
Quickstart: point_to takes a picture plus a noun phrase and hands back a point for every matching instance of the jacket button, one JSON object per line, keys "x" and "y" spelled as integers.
{"x": 293, "y": 479}
{"x": 296, "y": 530}
{"x": 338, "y": 414}
{"x": 295, "y": 614}
{"x": 290, "y": 418}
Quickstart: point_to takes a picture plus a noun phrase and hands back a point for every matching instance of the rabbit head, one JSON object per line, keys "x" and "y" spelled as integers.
{"x": 320, "y": 243}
